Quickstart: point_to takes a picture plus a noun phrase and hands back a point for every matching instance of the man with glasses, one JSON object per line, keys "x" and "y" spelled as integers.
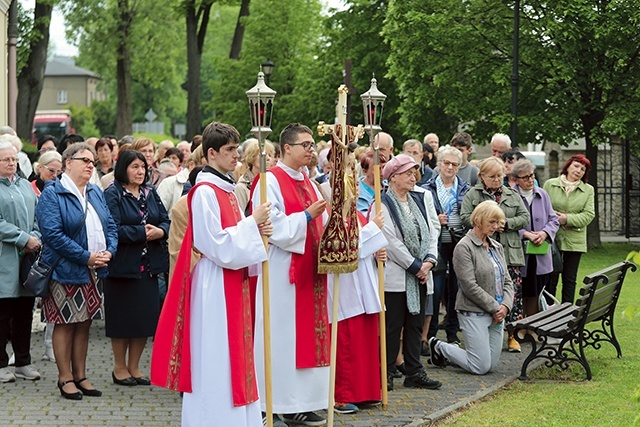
{"x": 298, "y": 294}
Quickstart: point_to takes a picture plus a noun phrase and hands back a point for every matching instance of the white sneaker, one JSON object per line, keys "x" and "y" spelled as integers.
{"x": 6, "y": 376}
{"x": 28, "y": 372}
{"x": 48, "y": 355}
{"x": 12, "y": 360}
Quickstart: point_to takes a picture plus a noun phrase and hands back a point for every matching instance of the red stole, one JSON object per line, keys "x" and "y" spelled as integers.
{"x": 171, "y": 356}
{"x": 312, "y": 333}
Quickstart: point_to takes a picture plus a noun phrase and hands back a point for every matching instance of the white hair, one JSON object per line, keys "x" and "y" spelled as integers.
{"x": 5, "y": 145}
{"x": 7, "y": 130}
{"x": 503, "y": 137}
{"x": 14, "y": 140}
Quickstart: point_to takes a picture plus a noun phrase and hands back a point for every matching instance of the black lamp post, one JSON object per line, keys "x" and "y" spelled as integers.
{"x": 267, "y": 69}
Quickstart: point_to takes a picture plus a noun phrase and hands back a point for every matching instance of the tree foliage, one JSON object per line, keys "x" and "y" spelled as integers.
{"x": 577, "y": 66}
{"x": 153, "y": 33}
{"x": 32, "y": 61}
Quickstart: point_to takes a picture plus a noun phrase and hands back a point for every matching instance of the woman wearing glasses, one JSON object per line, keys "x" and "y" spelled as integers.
{"x": 18, "y": 236}
{"x": 80, "y": 238}
{"x": 47, "y": 168}
{"x": 490, "y": 187}
{"x": 448, "y": 192}
{"x": 131, "y": 293}
{"x": 542, "y": 228}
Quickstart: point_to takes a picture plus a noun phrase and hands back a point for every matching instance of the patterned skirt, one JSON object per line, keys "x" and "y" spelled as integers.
{"x": 73, "y": 303}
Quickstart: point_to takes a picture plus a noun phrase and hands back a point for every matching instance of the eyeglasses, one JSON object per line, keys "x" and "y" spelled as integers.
{"x": 9, "y": 160}
{"x": 86, "y": 160}
{"x": 527, "y": 177}
{"x": 45, "y": 149}
{"x": 448, "y": 163}
{"x": 307, "y": 145}
{"x": 56, "y": 172}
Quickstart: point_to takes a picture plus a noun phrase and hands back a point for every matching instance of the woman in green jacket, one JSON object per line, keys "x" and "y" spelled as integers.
{"x": 490, "y": 187}
{"x": 573, "y": 200}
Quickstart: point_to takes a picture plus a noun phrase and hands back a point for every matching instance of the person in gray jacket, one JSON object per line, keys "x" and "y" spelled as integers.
{"x": 485, "y": 295}
{"x": 490, "y": 187}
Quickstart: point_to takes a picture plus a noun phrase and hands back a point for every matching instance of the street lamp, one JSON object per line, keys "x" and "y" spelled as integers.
{"x": 373, "y": 102}
{"x": 261, "y": 99}
{"x": 267, "y": 69}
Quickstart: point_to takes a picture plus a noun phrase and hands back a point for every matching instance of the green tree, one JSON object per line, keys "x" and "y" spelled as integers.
{"x": 578, "y": 68}
{"x": 136, "y": 47}
{"x": 32, "y": 61}
{"x": 282, "y": 31}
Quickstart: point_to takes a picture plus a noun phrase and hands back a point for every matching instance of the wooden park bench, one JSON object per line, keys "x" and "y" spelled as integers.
{"x": 559, "y": 334}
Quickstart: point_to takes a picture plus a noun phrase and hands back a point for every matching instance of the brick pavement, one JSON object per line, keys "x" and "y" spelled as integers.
{"x": 31, "y": 403}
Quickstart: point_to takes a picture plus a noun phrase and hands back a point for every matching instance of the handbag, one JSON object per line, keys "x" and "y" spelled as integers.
{"x": 39, "y": 277}
{"x": 37, "y": 281}
{"x": 556, "y": 256}
{"x": 543, "y": 299}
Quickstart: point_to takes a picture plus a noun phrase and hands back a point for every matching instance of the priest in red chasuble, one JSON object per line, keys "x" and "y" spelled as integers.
{"x": 204, "y": 342}
{"x": 300, "y": 339}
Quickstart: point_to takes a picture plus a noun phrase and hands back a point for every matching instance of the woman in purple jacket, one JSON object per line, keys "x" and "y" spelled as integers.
{"x": 543, "y": 227}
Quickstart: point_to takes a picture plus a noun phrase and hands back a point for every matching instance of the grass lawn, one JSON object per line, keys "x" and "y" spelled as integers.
{"x": 556, "y": 398}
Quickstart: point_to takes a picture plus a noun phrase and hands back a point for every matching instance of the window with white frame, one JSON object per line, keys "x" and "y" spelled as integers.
{"x": 62, "y": 96}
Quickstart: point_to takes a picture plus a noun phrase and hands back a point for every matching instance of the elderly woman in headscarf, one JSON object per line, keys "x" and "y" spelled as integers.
{"x": 412, "y": 253}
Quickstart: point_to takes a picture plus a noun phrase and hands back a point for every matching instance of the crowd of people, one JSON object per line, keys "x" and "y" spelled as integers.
{"x": 167, "y": 242}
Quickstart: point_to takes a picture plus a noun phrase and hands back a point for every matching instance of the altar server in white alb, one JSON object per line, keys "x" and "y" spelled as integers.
{"x": 218, "y": 340}
{"x": 358, "y": 357}
{"x": 298, "y": 294}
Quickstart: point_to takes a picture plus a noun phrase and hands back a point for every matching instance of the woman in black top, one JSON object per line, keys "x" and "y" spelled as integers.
{"x": 131, "y": 295}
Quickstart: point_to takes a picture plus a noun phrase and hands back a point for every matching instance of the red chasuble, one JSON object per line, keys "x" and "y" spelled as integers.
{"x": 171, "y": 357}
{"x": 312, "y": 333}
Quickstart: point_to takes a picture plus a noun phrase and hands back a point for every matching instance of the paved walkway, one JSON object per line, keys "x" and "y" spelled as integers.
{"x": 30, "y": 403}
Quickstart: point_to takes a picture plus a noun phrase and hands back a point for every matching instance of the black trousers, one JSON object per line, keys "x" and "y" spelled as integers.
{"x": 570, "y": 264}
{"x": 447, "y": 284}
{"x": 16, "y": 315}
{"x": 398, "y": 317}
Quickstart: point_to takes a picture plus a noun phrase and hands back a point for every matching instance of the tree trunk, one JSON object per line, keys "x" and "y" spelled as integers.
{"x": 593, "y": 230}
{"x": 236, "y": 44}
{"x": 124, "y": 120}
{"x": 197, "y": 22}
{"x": 31, "y": 77}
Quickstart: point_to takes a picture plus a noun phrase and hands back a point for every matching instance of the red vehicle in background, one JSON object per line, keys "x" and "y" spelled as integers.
{"x": 51, "y": 122}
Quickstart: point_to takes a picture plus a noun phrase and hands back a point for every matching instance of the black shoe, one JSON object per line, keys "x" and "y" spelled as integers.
{"x": 142, "y": 380}
{"x": 402, "y": 369}
{"x": 421, "y": 380}
{"x": 436, "y": 359}
{"x": 277, "y": 422}
{"x": 87, "y": 391}
{"x": 453, "y": 339}
{"x": 71, "y": 396}
{"x": 424, "y": 351}
{"x": 394, "y": 372}
{"x": 305, "y": 419}
{"x": 389, "y": 382}
{"x": 129, "y": 381}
